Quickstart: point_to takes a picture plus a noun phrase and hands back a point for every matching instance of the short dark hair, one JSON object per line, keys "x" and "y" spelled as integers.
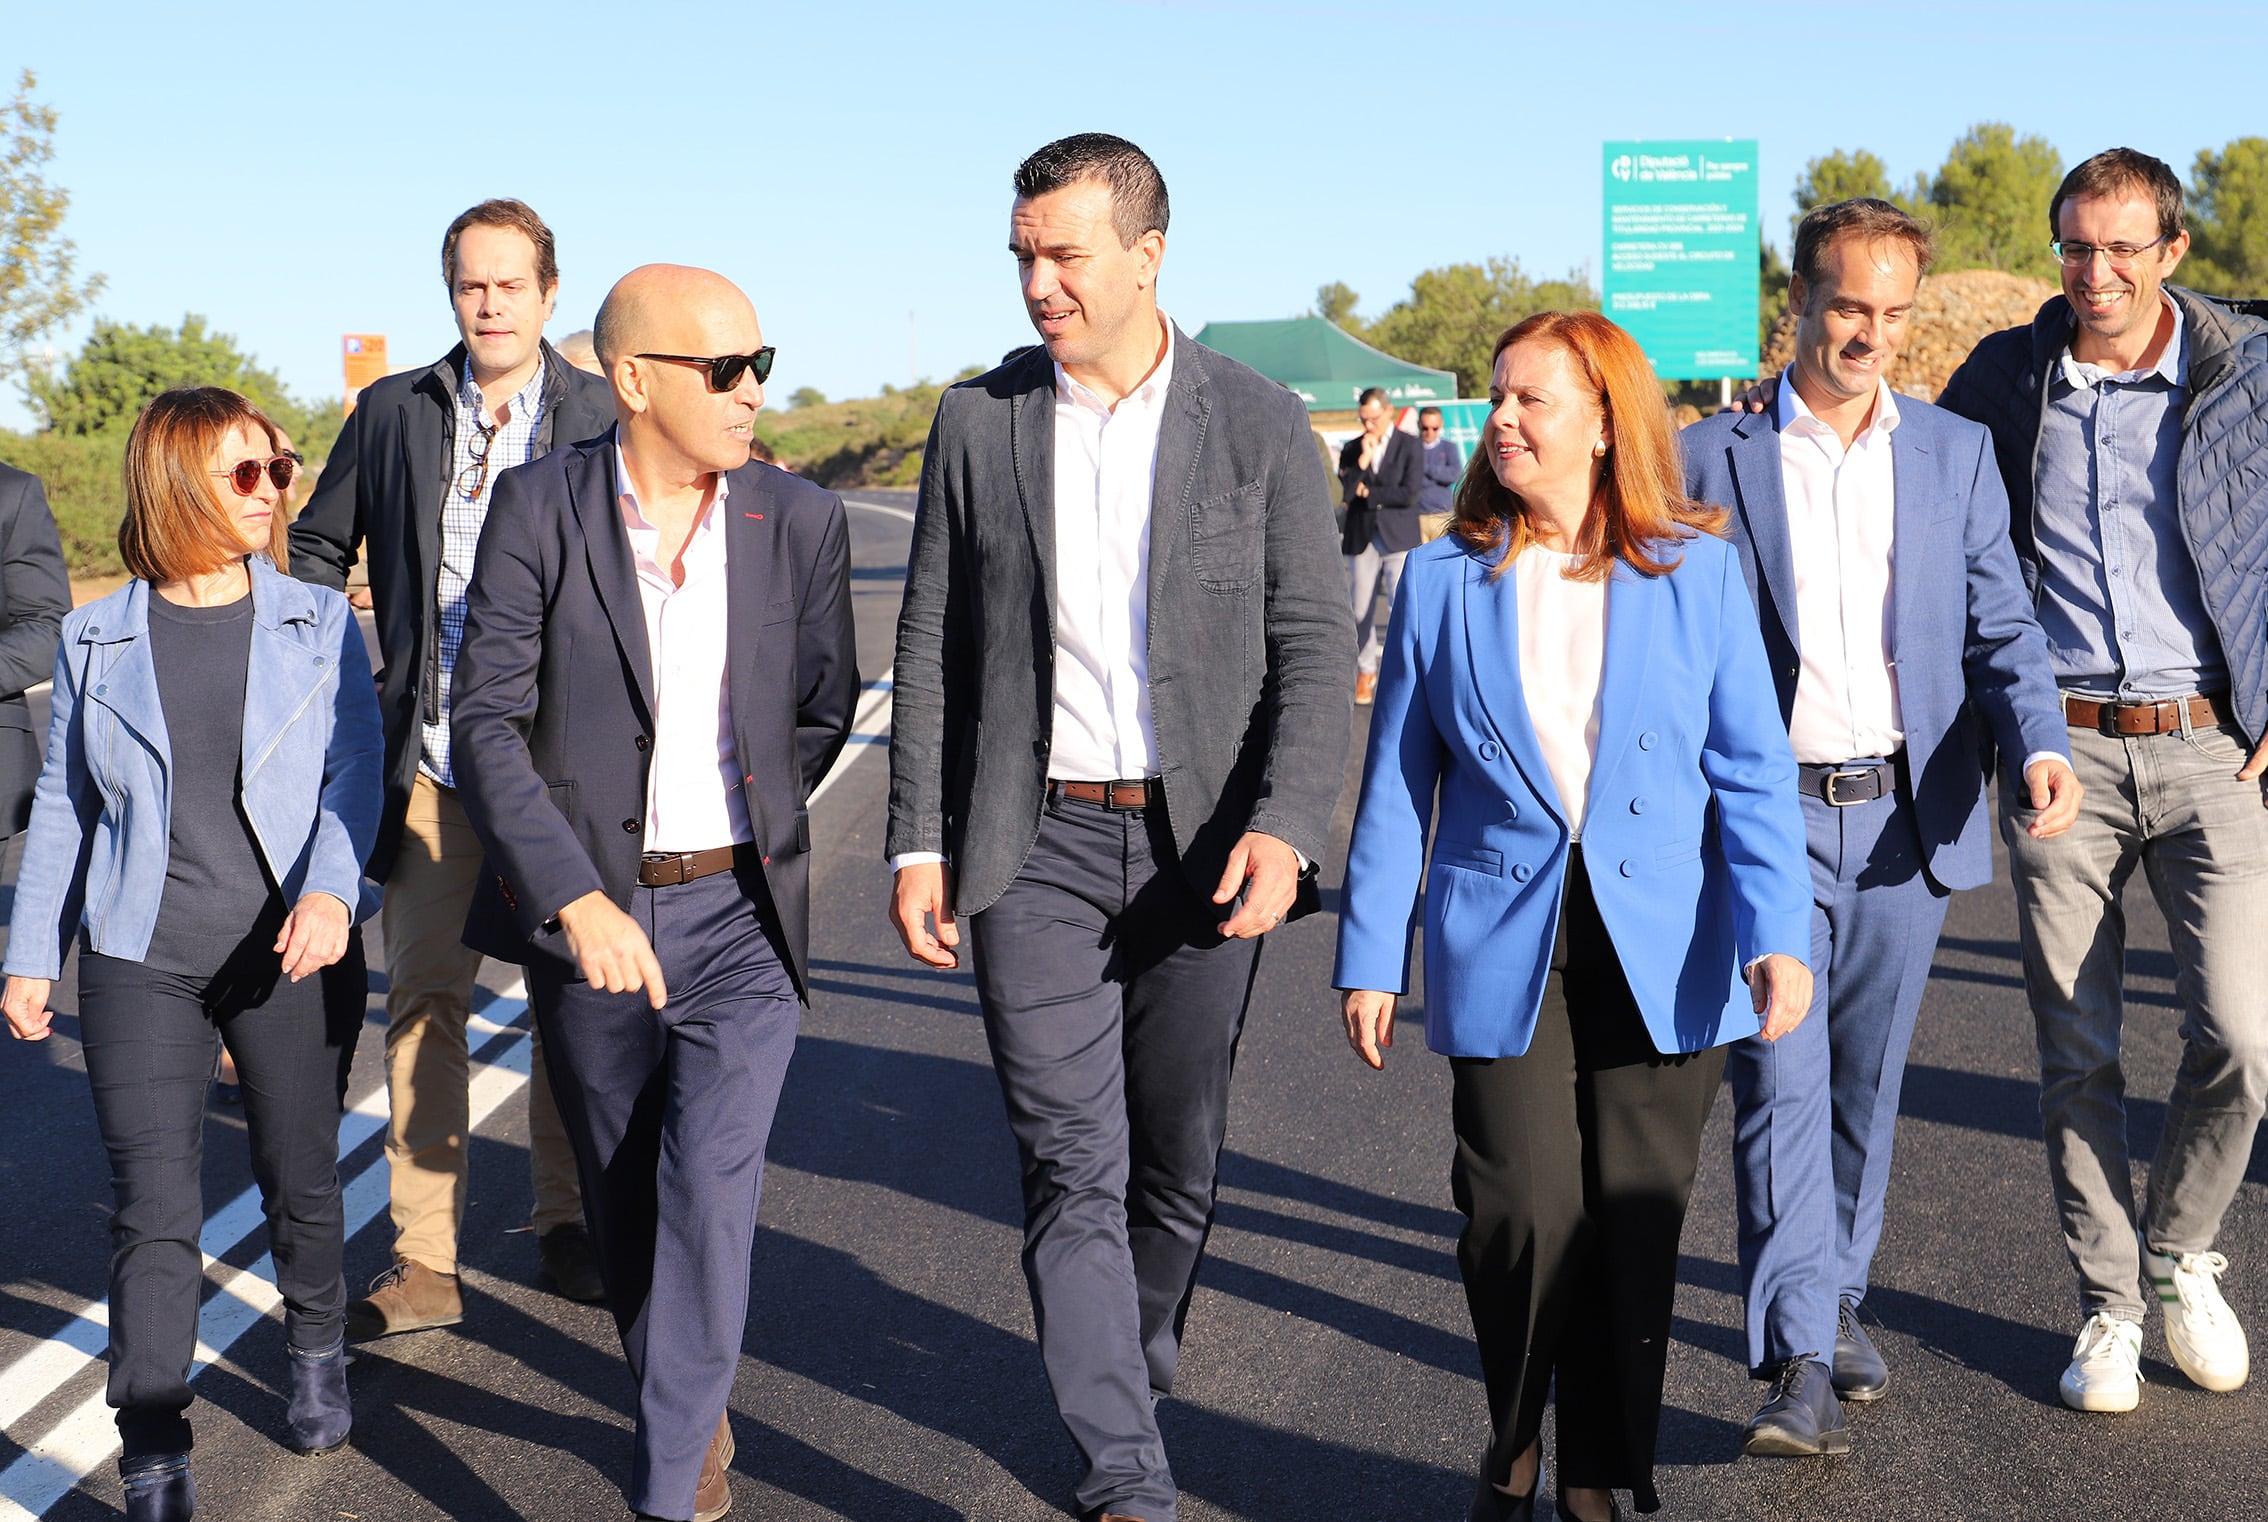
{"x": 503, "y": 212}
{"x": 1373, "y": 394}
{"x": 1428, "y": 412}
{"x": 2115, "y": 171}
{"x": 1859, "y": 217}
{"x": 1137, "y": 190}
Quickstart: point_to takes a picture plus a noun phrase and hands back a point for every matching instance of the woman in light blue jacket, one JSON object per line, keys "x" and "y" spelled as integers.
{"x": 210, "y": 790}
{"x": 1618, "y": 886}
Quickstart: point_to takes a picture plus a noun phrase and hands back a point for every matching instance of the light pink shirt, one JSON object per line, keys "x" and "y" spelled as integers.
{"x": 693, "y": 799}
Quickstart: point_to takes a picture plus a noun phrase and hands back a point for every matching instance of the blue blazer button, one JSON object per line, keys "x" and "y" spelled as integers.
{"x": 1630, "y": 869}
{"x": 1637, "y": 805}
{"x": 1488, "y": 750}
{"x": 1646, "y": 740}
{"x": 1511, "y": 808}
{"x": 1521, "y": 872}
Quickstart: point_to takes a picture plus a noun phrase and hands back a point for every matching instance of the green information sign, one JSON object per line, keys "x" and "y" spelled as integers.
{"x": 1681, "y": 253}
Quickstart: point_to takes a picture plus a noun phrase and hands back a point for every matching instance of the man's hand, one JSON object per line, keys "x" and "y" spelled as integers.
{"x": 1266, "y": 871}
{"x": 26, "y": 1006}
{"x": 2055, "y": 794}
{"x": 610, "y": 949}
{"x": 1781, "y": 986}
{"x": 1370, "y": 1023}
{"x": 1362, "y": 488}
{"x": 921, "y": 893}
{"x": 314, "y": 934}
{"x": 1758, "y": 397}
{"x": 359, "y": 598}
{"x": 2253, "y": 769}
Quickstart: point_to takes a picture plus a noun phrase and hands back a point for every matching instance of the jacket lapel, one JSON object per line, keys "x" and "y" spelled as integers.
{"x": 1492, "y": 647}
{"x": 1915, "y": 492}
{"x": 283, "y": 612}
{"x": 591, "y": 492}
{"x": 751, "y": 519}
{"x": 1181, "y": 435}
{"x": 1632, "y": 604}
{"x": 1031, "y": 446}
{"x": 127, "y": 683}
{"x": 1762, "y": 502}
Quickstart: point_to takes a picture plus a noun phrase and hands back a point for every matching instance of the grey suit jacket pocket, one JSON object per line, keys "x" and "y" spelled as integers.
{"x": 1228, "y": 539}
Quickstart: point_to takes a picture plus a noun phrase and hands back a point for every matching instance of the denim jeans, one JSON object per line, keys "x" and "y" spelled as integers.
{"x": 2170, "y": 804}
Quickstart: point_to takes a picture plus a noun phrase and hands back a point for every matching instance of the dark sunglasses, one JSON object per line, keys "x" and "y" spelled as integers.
{"x": 244, "y": 475}
{"x": 724, "y": 369}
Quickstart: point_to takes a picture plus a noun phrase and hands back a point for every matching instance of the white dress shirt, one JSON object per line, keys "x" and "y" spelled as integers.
{"x": 1562, "y": 659}
{"x": 1841, "y": 519}
{"x": 1104, "y": 459}
{"x": 693, "y": 798}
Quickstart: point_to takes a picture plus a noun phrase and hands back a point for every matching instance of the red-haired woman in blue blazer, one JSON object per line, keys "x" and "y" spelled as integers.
{"x": 1574, "y": 676}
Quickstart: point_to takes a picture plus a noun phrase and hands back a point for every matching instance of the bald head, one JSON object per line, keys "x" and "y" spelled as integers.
{"x": 665, "y": 407}
{"x": 664, "y": 309}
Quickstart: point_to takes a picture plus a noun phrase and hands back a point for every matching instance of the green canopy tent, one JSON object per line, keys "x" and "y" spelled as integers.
{"x": 1329, "y": 367}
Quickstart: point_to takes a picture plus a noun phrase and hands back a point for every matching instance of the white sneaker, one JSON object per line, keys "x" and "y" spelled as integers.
{"x": 2202, "y": 1331}
{"x": 2106, "y": 1366}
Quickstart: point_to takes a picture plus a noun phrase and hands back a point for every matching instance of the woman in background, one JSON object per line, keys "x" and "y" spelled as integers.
{"x": 1575, "y": 676}
{"x": 211, "y": 787}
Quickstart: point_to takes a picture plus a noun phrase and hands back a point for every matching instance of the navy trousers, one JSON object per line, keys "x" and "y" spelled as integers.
{"x": 1113, "y": 1006}
{"x": 1816, "y": 1111}
{"x": 668, "y": 1111}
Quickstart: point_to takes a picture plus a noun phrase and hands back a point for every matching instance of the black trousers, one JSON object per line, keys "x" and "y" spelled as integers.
{"x": 1113, "y": 1005}
{"x": 147, "y": 1037}
{"x": 1574, "y": 1163}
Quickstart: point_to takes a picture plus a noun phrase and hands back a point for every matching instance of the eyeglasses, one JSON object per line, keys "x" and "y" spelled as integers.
{"x": 477, "y": 471}
{"x": 245, "y": 475}
{"x": 1429, "y": 427}
{"x": 2120, "y": 256}
{"x": 725, "y": 369}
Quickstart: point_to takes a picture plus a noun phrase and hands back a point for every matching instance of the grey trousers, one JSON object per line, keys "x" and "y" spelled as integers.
{"x": 1371, "y": 576}
{"x": 2170, "y": 804}
{"x": 1113, "y": 1007}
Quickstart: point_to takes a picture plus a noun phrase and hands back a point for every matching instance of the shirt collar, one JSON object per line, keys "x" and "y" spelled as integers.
{"x": 1148, "y": 394}
{"x": 2172, "y": 366}
{"x": 525, "y": 403}
{"x": 1800, "y": 420}
{"x": 635, "y": 515}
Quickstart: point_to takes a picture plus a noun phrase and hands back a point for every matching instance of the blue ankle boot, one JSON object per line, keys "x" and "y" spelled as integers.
{"x": 319, "y": 1414}
{"x": 159, "y": 1488}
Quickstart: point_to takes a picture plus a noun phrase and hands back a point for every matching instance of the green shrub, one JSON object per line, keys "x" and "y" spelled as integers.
{"x": 82, "y": 474}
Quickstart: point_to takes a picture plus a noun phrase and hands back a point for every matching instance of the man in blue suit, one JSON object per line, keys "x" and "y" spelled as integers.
{"x": 1873, "y": 529}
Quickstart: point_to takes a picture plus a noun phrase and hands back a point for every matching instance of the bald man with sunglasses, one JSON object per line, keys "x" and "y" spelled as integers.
{"x": 658, "y": 667}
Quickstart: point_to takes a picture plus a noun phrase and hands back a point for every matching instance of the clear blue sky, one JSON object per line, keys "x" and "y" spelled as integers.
{"x": 287, "y": 170}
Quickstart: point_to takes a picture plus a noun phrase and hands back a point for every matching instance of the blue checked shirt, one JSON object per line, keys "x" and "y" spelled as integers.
{"x": 461, "y": 517}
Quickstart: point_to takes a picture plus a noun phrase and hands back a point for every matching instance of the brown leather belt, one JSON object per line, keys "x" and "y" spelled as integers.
{"x": 2147, "y": 718}
{"x": 666, "y": 869}
{"x": 1130, "y": 793}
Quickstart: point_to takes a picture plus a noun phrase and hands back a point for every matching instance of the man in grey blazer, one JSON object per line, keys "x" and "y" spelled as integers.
{"x": 1121, "y": 724}
{"x": 35, "y": 593}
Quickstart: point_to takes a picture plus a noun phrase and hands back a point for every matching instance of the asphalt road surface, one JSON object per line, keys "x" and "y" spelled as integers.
{"x": 889, "y": 1373}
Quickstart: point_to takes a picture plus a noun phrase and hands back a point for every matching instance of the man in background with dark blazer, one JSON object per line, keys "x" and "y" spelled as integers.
{"x": 1873, "y": 531}
{"x": 408, "y": 485}
{"x": 658, "y": 668}
{"x": 1382, "y": 473}
{"x": 35, "y": 593}
{"x": 1120, "y": 732}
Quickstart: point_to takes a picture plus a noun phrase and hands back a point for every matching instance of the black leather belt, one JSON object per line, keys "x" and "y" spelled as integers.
{"x": 1841, "y": 786}
{"x": 1130, "y": 795}
{"x": 666, "y": 869}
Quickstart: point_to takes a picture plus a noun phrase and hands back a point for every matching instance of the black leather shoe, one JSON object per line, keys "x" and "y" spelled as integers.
{"x": 1559, "y": 1500}
{"x": 570, "y": 1264}
{"x": 159, "y": 1488}
{"x": 1801, "y": 1416}
{"x": 1860, "y": 1373}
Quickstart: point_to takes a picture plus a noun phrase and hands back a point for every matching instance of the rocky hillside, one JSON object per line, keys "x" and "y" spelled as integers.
{"x": 1951, "y": 313}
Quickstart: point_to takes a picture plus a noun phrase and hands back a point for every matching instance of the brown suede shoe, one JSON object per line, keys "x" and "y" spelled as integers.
{"x": 1365, "y": 688}
{"x": 712, "y": 1496}
{"x": 409, "y": 1297}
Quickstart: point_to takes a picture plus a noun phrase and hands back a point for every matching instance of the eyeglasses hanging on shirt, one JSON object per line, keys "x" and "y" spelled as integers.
{"x": 477, "y": 471}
